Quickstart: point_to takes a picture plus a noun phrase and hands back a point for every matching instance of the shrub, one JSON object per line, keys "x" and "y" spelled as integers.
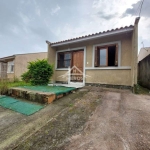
{"x": 26, "y": 76}
{"x": 39, "y": 72}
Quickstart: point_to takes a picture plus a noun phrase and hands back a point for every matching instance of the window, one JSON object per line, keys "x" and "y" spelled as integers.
{"x": 106, "y": 56}
{"x": 10, "y": 67}
{"x": 64, "y": 60}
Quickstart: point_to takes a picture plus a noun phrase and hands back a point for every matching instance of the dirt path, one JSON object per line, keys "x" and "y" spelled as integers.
{"x": 121, "y": 122}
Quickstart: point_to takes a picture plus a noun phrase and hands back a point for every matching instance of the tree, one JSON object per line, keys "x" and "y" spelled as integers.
{"x": 39, "y": 72}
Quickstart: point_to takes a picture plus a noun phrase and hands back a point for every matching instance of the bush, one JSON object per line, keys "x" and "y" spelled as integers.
{"x": 39, "y": 72}
{"x": 26, "y": 76}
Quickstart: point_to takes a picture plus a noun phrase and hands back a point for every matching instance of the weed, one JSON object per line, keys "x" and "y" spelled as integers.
{"x": 3, "y": 87}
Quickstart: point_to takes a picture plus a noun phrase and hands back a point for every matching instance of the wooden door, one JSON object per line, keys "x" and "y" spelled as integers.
{"x": 77, "y": 66}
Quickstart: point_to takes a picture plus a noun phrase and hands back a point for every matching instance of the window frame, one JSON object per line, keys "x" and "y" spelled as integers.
{"x": 100, "y": 47}
{"x": 10, "y": 65}
{"x": 67, "y": 52}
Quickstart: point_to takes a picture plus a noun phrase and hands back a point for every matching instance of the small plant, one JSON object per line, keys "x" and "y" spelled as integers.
{"x": 39, "y": 72}
{"x": 3, "y": 87}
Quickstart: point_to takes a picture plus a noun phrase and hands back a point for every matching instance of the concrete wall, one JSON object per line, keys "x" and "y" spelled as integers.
{"x": 125, "y": 74}
{"x": 3, "y": 70}
{"x": 11, "y": 76}
{"x": 59, "y": 76}
{"x": 144, "y": 72}
{"x": 143, "y": 53}
{"x": 110, "y": 76}
{"x": 21, "y": 62}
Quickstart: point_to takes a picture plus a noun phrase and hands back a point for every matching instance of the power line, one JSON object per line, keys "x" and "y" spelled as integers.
{"x": 143, "y": 46}
{"x": 136, "y": 12}
{"x": 141, "y": 8}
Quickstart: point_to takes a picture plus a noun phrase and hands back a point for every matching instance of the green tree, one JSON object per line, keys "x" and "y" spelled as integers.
{"x": 39, "y": 72}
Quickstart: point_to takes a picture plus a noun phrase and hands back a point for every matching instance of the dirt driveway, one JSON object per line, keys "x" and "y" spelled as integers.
{"x": 100, "y": 119}
{"x": 121, "y": 122}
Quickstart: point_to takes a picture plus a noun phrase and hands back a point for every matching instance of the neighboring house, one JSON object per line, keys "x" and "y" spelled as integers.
{"x": 145, "y": 51}
{"x": 108, "y": 58}
{"x": 14, "y": 66}
{"x": 144, "y": 67}
{"x": 144, "y": 72}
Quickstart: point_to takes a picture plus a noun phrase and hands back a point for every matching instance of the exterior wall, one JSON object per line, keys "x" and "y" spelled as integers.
{"x": 134, "y": 53}
{"x": 58, "y": 75}
{"x": 112, "y": 77}
{"x": 3, "y": 70}
{"x": 100, "y": 75}
{"x": 124, "y": 74}
{"x": 125, "y": 49}
{"x": 144, "y": 72}
{"x": 143, "y": 53}
{"x": 11, "y": 76}
{"x": 21, "y": 62}
{"x": 52, "y": 60}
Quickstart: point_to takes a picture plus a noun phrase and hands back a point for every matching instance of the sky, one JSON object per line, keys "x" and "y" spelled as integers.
{"x": 25, "y": 25}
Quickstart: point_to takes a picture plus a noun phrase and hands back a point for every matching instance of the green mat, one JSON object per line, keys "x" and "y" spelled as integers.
{"x": 19, "y": 106}
{"x": 54, "y": 89}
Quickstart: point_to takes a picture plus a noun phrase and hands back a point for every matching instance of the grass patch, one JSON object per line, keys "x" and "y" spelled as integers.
{"x": 18, "y": 83}
{"x": 5, "y": 85}
{"x": 141, "y": 90}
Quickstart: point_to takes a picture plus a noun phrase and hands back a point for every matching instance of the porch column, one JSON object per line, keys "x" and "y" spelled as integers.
{"x": 51, "y": 59}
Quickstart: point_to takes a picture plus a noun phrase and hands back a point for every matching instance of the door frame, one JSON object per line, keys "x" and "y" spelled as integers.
{"x": 73, "y": 49}
{"x": 79, "y": 50}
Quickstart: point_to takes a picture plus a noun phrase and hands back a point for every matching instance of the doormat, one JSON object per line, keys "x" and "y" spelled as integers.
{"x": 19, "y": 106}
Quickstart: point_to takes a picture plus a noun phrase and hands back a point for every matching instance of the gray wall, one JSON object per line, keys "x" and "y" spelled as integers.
{"x": 144, "y": 72}
{"x": 3, "y": 70}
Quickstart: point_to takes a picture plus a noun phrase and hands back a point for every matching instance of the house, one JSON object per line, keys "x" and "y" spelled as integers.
{"x": 145, "y": 51}
{"x": 14, "y": 66}
{"x": 105, "y": 58}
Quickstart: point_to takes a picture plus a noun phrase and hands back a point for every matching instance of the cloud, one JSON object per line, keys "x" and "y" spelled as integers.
{"x": 26, "y": 24}
{"x": 106, "y": 16}
{"x": 134, "y": 11}
{"x": 55, "y": 10}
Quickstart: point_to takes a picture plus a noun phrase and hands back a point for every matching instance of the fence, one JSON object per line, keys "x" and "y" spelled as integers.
{"x": 144, "y": 72}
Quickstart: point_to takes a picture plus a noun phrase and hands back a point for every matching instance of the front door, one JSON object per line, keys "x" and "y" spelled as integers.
{"x": 77, "y": 66}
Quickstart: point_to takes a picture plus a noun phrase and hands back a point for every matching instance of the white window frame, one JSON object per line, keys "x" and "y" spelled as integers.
{"x": 108, "y": 68}
{"x": 9, "y": 65}
{"x": 104, "y": 44}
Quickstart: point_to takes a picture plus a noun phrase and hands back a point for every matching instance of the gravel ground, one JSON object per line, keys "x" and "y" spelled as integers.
{"x": 121, "y": 122}
{"x": 71, "y": 121}
{"x": 15, "y": 127}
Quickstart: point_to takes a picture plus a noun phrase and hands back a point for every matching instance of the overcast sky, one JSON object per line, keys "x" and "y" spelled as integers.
{"x": 25, "y": 25}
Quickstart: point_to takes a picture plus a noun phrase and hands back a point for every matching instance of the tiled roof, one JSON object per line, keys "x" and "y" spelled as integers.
{"x": 90, "y": 35}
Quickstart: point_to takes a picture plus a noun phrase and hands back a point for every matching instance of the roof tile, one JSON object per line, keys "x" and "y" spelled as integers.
{"x": 93, "y": 34}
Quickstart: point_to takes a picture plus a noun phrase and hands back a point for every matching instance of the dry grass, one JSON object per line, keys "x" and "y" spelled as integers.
{"x": 6, "y": 84}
